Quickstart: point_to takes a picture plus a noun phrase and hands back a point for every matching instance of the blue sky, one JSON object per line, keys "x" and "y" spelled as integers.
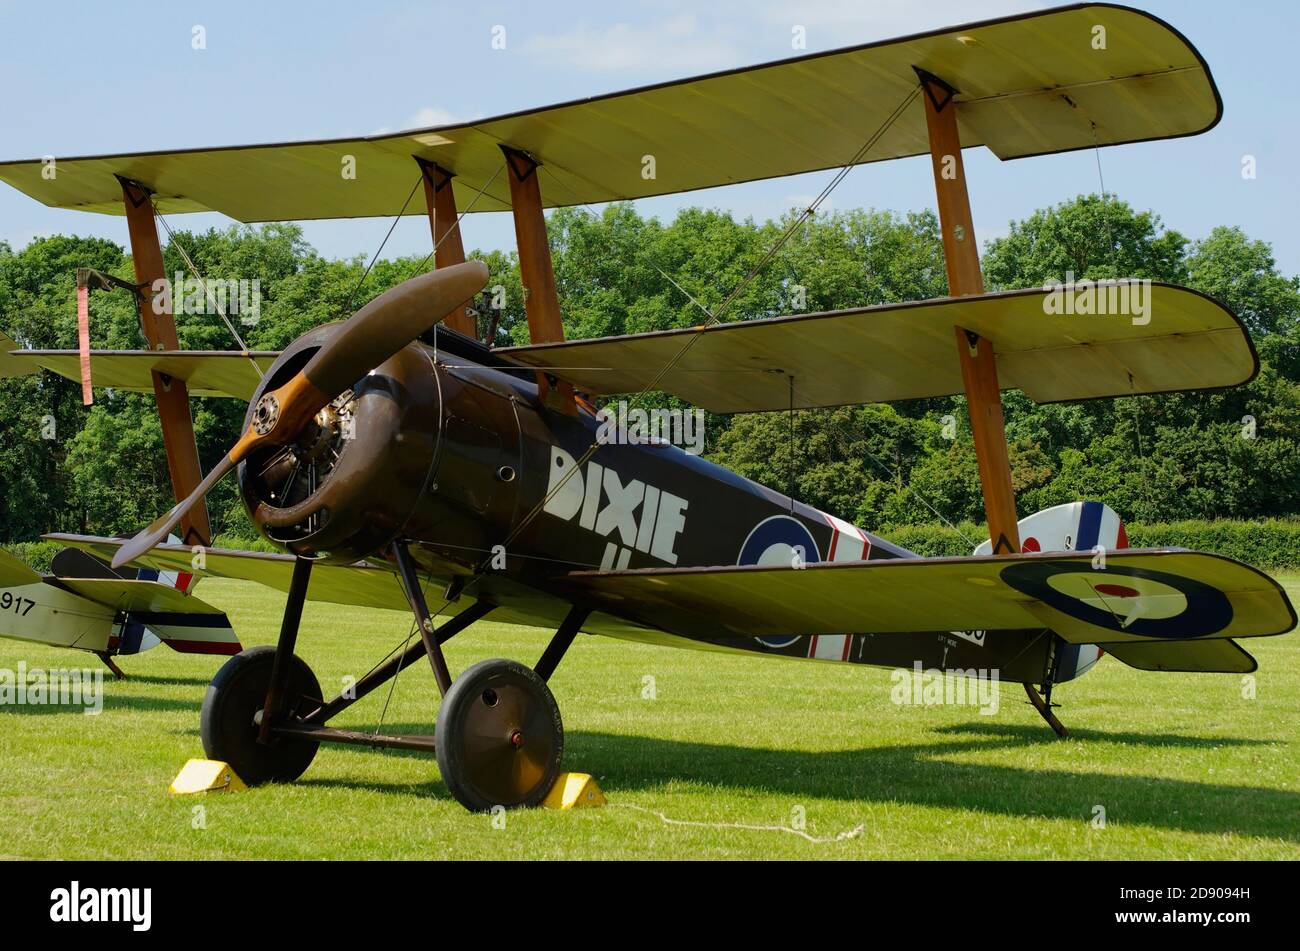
{"x": 83, "y": 78}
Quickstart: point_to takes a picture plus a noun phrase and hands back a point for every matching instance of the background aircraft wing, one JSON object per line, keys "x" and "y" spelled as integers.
{"x": 11, "y": 365}
{"x": 14, "y": 572}
{"x": 181, "y": 621}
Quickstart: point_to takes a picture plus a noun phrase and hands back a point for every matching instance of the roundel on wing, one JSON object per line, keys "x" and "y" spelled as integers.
{"x": 779, "y": 540}
{"x": 1137, "y": 601}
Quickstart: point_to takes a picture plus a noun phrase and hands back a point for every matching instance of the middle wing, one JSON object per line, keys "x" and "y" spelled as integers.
{"x": 1164, "y": 338}
{"x": 370, "y": 586}
{"x": 206, "y": 372}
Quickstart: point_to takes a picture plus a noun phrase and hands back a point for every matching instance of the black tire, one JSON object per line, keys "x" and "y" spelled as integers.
{"x": 499, "y": 738}
{"x": 227, "y": 724}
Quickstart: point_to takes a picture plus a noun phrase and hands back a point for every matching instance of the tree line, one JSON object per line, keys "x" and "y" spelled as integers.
{"x": 1231, "y": 454}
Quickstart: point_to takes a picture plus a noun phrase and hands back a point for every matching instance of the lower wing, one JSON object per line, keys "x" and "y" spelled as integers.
{"x": 1135, "y": 597}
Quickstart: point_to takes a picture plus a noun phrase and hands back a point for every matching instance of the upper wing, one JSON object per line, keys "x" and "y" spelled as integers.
{"x": 1139, "y": 596}
{"x": 205, "y": 372}
{"x": 1029, "y": 84}
{"x": 909, "y": 351}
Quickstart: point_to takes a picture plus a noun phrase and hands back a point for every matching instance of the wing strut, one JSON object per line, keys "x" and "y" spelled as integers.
{"x": 172, "y": 395}
{"x": 444, "y": 223}
{"x": 978, "y": 365}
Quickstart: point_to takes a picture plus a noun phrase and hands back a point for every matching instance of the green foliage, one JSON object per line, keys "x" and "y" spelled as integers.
{"x": 37, "y": 555}
{"x": 1153, "y": 458}
{"x": 937, "y": 540}
{"x": 1272, "y": 544}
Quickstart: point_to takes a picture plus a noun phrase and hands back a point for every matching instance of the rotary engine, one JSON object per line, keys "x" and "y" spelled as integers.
{"x": 351, "y": 480}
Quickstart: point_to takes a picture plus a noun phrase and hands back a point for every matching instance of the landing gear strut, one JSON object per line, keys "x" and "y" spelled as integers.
{"x": 1043, "y": 702}
{"x": 499, "y": 740}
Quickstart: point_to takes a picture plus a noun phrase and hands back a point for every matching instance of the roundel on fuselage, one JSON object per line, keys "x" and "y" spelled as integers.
{"x": 779, "y": 540}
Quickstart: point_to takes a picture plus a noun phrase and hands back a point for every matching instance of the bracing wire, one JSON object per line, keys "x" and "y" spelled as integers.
{"x": 716, "y": 315}
{"x": 189, "y": 262}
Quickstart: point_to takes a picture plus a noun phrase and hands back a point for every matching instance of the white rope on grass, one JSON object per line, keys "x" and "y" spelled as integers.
{"x": 666, "y": 820}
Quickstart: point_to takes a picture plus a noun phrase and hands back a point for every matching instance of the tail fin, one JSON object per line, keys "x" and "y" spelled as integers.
{"x": 1075, "y": 526}
{"x": 156, "y": 606}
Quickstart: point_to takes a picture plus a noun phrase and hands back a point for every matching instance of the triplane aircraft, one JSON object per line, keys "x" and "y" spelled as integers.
{"x": 394, "y": 453}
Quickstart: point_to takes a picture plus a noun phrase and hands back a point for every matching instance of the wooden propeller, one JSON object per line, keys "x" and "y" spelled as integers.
{"x": 369, "y": 337}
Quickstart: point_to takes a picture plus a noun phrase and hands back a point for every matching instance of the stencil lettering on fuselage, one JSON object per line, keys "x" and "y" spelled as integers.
{"x": 635, "y": 515}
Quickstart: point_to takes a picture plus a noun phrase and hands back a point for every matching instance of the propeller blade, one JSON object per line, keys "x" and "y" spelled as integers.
{"x": 161, "y": 526}
{"x": 376, "y": 332}
{"x": 391, "y": 321}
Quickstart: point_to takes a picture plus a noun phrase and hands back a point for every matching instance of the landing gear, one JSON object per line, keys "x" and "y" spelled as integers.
{"x": 1043, "y": 702}
{"x": 232, "y": 715}
{"x": 500, "y": 738}
{"x": 107, "y": 658}
{"x": 1044, "y": 707}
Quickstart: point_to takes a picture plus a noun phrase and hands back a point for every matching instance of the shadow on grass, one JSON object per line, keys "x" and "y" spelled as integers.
{"x": 1041, "y": 736}
{"x": 916, "y": 774}
{"x": 111, "y": 703}
{"x": 167, "y": 681}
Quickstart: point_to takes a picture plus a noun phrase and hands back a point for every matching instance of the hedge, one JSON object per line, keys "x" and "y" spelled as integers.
{"x": 36, "y": 554}
{"x": 1272, "y": 544}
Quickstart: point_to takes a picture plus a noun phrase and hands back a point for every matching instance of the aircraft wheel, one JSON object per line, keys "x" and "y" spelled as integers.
{"x": 228, "y": 723}
{"x": 499, "y": 737}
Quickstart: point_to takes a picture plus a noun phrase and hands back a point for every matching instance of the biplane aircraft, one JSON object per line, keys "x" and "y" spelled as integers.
{"x": 86, "y": 605}
{"x": 393, "y": 454}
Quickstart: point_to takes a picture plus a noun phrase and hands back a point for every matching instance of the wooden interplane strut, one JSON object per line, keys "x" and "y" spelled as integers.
{"x": 444, "y": 224}
{"x": 159, "y": 328}
{"x": 978, "y": 365}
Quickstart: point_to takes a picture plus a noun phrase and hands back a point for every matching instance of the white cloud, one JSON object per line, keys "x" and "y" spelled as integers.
{"x": 426, "y": 117}
{"x": 801, "y": 202}
{"x": 676, "y": 44}
{"x": 833, "y": 23}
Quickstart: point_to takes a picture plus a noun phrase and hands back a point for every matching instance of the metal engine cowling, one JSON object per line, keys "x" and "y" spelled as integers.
{"x": 351, "y": 480}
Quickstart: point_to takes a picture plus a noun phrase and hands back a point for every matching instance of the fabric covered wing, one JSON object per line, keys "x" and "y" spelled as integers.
{"x": 369, "y": 586}
{"x": 205, "y": 372}
{"x": 1139, "y": 596}
{"x": 1028, "y": 84}
{"x": 1219, "y": 655}
{"x": 909, "y": 351}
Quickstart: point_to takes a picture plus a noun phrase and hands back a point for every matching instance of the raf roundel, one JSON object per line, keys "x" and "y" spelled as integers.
{"x": 779, "y": 540}
{"x": 1138, "y": 601}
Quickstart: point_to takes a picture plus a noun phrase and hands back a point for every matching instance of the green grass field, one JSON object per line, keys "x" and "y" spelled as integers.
{"x": 1184, "y": 766}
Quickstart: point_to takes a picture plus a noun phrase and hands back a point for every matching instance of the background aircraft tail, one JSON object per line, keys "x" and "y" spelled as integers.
{"x": 151, "y": 616}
